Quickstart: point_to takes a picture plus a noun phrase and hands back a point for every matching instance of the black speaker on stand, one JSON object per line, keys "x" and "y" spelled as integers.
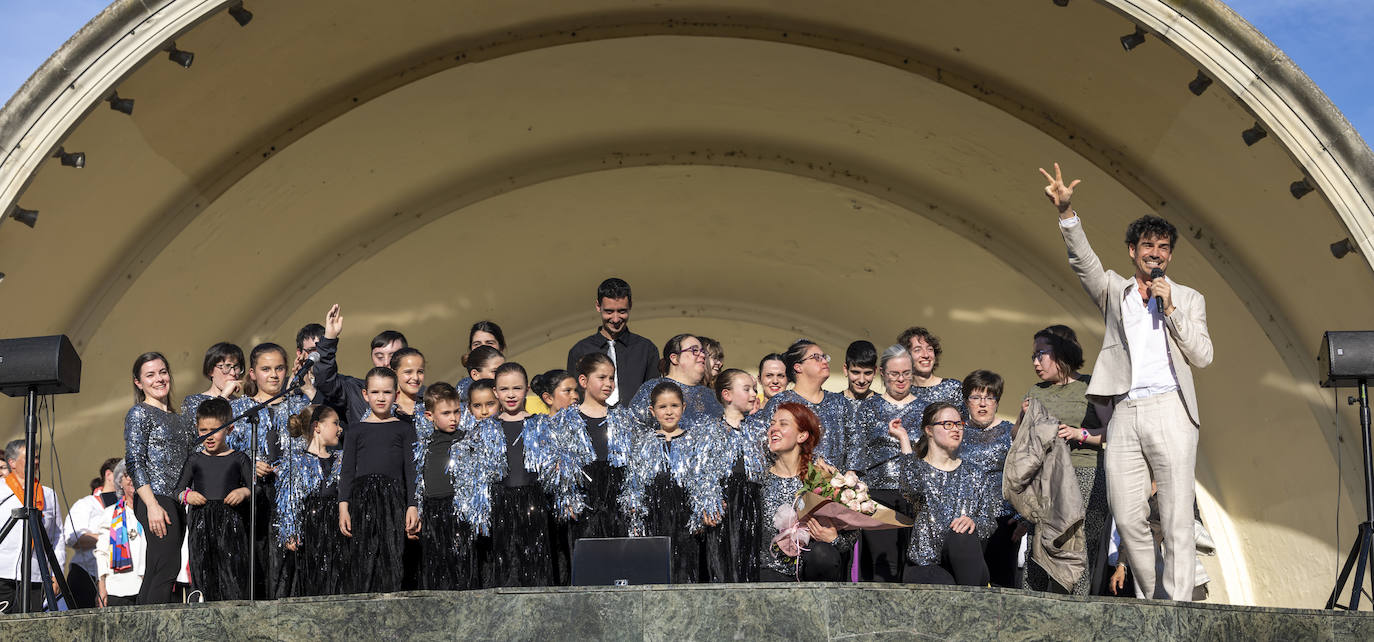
{"x": 1346, "y": 360}
{"x": 30, "y": 367}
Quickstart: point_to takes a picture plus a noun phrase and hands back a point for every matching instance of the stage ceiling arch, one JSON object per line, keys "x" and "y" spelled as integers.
{"x": 758, "y": 171}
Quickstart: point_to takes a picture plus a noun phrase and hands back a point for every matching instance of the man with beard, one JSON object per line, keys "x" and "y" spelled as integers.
{"x": 1156, "y": 333}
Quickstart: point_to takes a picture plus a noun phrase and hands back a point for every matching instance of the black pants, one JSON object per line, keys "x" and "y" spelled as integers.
{"x": 961, "y": 562}
{"x": 9, "y": 590}
{"x": 118, "y": 600}
{"x": 163, "y": 561}
{"x": 822, "y": 563}
{"x": 882, "y": 554}
{"x": 1000, "y": 554}
{"x": 84, "y": 591}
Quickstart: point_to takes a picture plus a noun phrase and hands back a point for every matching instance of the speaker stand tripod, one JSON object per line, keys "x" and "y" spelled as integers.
{"x": 32, "y": 518}
{"x": 1359, "y": 559}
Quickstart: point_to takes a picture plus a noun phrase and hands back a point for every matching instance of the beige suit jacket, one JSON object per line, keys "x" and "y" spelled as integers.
{"x": 1187, "y": 336}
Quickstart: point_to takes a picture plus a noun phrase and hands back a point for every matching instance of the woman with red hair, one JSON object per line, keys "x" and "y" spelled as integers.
{"x": 793, "y": 436}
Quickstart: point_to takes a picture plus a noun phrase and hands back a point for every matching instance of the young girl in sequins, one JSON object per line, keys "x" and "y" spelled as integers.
{"x": 308, "y": 504}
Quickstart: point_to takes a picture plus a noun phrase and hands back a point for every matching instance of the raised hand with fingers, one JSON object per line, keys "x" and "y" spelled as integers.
{"x": 1059, "y": 193}
{"x": 333, "y": 322}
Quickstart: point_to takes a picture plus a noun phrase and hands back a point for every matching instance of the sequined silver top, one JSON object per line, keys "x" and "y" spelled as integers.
{"x": 986, "y": 450}
{"x": 833, "y": 411}
{"x": 697, "y": 401}
{"x": 298, "y": 476}
{"x": 873, "y": 452}
{"x": 939, "y": 498}
{"x": 775, "y": 491}
{"x": 156, "y": 445}
{"x": 191, "y": 404}
{"x": 274, "y": 435}
{"x": 948, "y": 391}
{"x": 687, "y": 458}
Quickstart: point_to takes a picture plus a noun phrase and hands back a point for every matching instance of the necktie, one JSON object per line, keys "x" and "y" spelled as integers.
{"x": 615, "y": 394}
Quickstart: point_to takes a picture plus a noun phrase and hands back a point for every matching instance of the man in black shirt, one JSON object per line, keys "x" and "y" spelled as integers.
{"x": 636, "y": 358}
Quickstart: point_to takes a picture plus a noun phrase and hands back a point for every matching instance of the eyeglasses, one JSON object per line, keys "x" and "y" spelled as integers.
{"x": 1035, "y": 356}
{"x": 228, "y": 368}
{"x": 982, "y": 399}
{"x": 697, "y": 351}
{"x": 820, "y": 357}
{"x": 949, "y": 425}
{"x": 904, "y": 375}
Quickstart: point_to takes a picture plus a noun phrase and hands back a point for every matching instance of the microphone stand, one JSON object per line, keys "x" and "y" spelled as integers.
{"x": 297, "y": 382}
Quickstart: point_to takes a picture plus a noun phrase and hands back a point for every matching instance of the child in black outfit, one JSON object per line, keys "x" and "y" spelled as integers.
{"x": 377, "y": 489}
{"x": 444, "y": 542}
{"x": 215, "y": 483}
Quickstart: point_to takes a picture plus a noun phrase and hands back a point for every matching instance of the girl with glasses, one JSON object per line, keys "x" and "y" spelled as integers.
{"x": 807, "y": 368}
{"x": 875, "y": 455}
{"x": 952, "y": 514}
{"x": 684, "y": 363}
{"x": 1056, "y": 357}
{"x": 986, "y": 442}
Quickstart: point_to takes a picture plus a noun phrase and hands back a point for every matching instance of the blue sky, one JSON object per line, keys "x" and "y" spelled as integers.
{"x": 1332, "y": 40}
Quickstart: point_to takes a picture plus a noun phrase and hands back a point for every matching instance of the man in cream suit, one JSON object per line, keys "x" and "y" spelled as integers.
{"x": 1156, "y": 334}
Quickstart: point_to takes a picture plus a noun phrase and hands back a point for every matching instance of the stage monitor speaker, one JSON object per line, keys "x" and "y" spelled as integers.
{"x": 49, "y": 364}
{"x": 622, "y": 561}
{"x": 1346, "y": 357}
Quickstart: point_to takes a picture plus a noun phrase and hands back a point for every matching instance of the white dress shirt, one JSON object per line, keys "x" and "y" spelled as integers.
{"x": 83, "y": 517}
{"x": 10, "y": 546}
{"x": 1152, "y": 371}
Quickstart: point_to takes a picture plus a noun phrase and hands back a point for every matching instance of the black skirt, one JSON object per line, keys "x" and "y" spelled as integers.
{"x": 445, "y": 547}
{"x": 732, "y": 545}
{"x": 601, "y": 516}
{"x": 377, "y": 512}
{"x": 519, "y": 551}
{"x": 322, "y": 553}
{"x": 669, "y": 513}
{"x": 218, "y": 547}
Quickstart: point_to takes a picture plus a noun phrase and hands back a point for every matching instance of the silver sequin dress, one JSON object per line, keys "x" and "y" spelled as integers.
{"x": 156, "y": 446}
{"x": 940, "y": 497}
{"x": 834, "y": 413}
{"x": 774, "y": 492}
{"x": 986, "y": 450}
{"x": 873, "y": 452}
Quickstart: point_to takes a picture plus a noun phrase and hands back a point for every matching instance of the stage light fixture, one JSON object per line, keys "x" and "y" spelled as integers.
{"x": 27, "y": 217}
{"x": 2, "y": 277}
{"x": 1199, "y": 84}
{"x": 1300, "y": 188}
{"x": 74, "y": 159}
{"x": 183, "y": 58}
{"x": 1342, "y": 247}
{"x": 241, "y": 15}
{"x": 1132, "y": 40}
{"x": 122, "y": 105}
{"x": 1061, "y": 3}
{"x": 1253, "y": 135}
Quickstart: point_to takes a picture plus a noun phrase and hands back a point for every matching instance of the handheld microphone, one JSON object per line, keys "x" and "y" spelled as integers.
{"x": 1158, "y": 300}
{"x": 310, "y": 361}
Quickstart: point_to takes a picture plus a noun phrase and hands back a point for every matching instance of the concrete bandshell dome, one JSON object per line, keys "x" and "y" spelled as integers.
{"x": 758, "y": 172}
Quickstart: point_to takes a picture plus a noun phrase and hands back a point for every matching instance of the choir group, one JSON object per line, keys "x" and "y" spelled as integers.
{"x": 388, "y": 481}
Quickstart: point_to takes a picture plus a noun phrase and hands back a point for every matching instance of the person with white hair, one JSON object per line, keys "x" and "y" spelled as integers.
{"x": 120, "y": 550}
{"x": 12, "y": 497}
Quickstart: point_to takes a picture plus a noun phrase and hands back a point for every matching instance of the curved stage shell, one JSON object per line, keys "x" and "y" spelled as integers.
{"x": 758, "y": 171}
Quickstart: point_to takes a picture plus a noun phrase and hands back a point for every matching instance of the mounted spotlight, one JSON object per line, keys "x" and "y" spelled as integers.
{"x": 1300, "y": 189}
{"x": 2, "y": 277}
{"x": 1061, "y": 3}
{"x": 183, "y": 58}
{"x": 241, "y": 15}
{"x": 122, "y": 105}
{"x": 1343, "y": 247}
{"x": 74, "y": 159}
{"x": 1199, "y": 84}
{"x": 27, "y": 217}
{"x": 1132, "y": 40}
{"x": 1253, "y": 135}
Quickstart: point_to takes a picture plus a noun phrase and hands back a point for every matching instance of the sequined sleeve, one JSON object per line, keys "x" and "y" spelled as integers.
{"x": 156, "y": 445}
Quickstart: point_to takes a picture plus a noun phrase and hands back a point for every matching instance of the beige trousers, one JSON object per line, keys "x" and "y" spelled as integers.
{"x": 1154, "y": 437}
